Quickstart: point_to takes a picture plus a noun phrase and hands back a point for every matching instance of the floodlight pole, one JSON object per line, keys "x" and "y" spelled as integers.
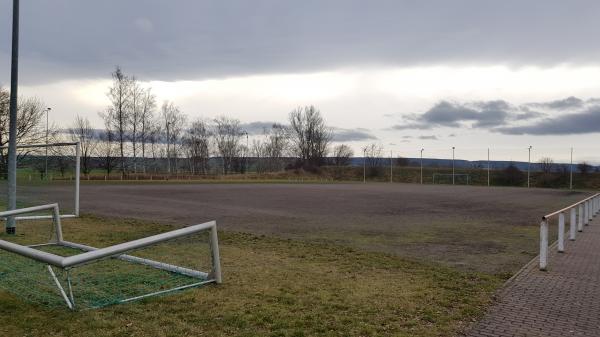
{"x": 391, "y": 167}
{"x": 422, "y": 166}
{"x": 571, "y": 172}
{"x": 365, "y": 165}
{"x": 12, "y": 138}
{"x": 453, "y": 165}
{"x": 46, "y": 157}
{"x": 488, "y": 167}
{"x": 529, "y": 167}
{"x": 168, "y": 154}
{"x": 246, "y": 152}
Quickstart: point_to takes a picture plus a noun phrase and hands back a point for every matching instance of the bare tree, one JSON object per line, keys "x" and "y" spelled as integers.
{"x": 146, "y": 122}
{"x": 106, "y": 149}
{"x": 310, "y": 136}
{"x": 259, "y": 152}
{"x": 83, "y": 132}
{"x": 227, "y": 133}
{"x": 342, "y": 155}
{"x": 136, "y": 111}
{"x": 373, "y": 159}
{"x": 276, "y": 146}
{"x": 547, "y": 165}
{"x": 197, "y": 144}
{"x": 30, "y": 130}
{"x": 174, "y": 123}
{"x": 118, "y": 113}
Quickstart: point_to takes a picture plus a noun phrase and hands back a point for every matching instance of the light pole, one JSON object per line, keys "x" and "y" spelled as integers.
{"x": 246, "y": 151}
{"x": 12, "y": 129}
{"x": 453, "y": 165}
{"x": 365, "y": 165}
{"x": 529, "y": 166}
{"x": 391, "y": 167}
{"x": 571, "y": 172}
{"x": 422, "y": 166}
{"x": 488, "y": 167}
{"x": 46, "y": 158}
{"x": 168, "y": 153}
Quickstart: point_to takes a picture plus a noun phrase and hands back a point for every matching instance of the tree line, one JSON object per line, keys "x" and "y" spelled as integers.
{"x": 140, "y": 136}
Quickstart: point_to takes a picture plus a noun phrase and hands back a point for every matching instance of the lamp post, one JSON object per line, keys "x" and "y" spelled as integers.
{"x": 391, "y": 167}
{"x": 168, "y": 152}
{"x": 488, "y": 167}
{"x": 246, "y": 150}
{"x": 422, "y": 166}
{"x": 529, "y": 166}
{"x": 364, "y": 165}
{"x": 12, "y": 138}
{"x": 571, "y": 172}
{"x": 46, "y": 158}
{"x": 453, "y": 165}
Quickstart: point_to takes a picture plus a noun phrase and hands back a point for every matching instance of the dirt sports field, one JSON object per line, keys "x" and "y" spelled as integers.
{"x": 474, "y": 228}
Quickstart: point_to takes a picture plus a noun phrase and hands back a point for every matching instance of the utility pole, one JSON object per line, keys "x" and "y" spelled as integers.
{"x": 529, "y": 167}
{"x": 453, "y": 165}
{"x": 46, "y": 158}
{"x": 488, "y": 167}
{"x": 571, "y": 172}
{"x": 12, "y": 137}
{"x": 422, "y": 166}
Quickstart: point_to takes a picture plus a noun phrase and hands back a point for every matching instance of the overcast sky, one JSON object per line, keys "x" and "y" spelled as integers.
{"x": 406, "y": 74}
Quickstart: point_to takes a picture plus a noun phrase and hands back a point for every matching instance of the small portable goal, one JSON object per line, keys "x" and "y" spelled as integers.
{"x": 60, "y": 272}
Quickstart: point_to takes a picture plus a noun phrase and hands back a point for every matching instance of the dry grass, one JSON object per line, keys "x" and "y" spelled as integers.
{"x": 273, "y": 287}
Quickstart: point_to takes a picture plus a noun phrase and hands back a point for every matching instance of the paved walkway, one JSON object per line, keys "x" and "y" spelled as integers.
{"x": 562, "y": 302}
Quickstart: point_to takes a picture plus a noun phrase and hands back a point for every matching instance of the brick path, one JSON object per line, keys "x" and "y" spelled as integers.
{"x": 564, "y": 301}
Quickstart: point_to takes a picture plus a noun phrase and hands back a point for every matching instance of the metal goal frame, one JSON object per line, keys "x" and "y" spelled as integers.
{"x": 92, "y": 254}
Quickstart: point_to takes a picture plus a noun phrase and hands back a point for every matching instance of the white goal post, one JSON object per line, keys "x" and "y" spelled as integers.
{"x": 68, "y": 265}
{"x": 77, "y": 177}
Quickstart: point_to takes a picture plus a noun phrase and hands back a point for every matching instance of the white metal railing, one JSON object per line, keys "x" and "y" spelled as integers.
{"x": 92, "y": 254}
{"x": 580, "y": 215}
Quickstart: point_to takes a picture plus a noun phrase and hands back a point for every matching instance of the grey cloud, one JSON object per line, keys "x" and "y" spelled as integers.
{"x": 352, "y": 135}
{"x": 561, "y": 104}
{"x": 527, "y": 114}
{"x": 450, "y": 114}
{"x": 173, "y": 40}
{"x": 432, "y": 137}
{"x": 587, "y": 121}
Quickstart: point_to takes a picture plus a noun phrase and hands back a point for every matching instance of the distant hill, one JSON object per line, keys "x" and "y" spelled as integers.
{"x": 459, "y": 163}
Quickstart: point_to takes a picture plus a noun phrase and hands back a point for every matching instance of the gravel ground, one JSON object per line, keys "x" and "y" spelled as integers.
{"x": 486, "y": 229}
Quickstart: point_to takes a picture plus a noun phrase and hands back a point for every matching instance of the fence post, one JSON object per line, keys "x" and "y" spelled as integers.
{"x": 543, "y": 244}
{"x": 590, "y": 212}
{"x": 580, "y": 224}
{"x": 561, "y": 232}
{"x": 572, "y": 225}
{"x": 586, "y": 212}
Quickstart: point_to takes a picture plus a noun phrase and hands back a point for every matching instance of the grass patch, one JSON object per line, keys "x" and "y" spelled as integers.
{"x": 273, "y": 287}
